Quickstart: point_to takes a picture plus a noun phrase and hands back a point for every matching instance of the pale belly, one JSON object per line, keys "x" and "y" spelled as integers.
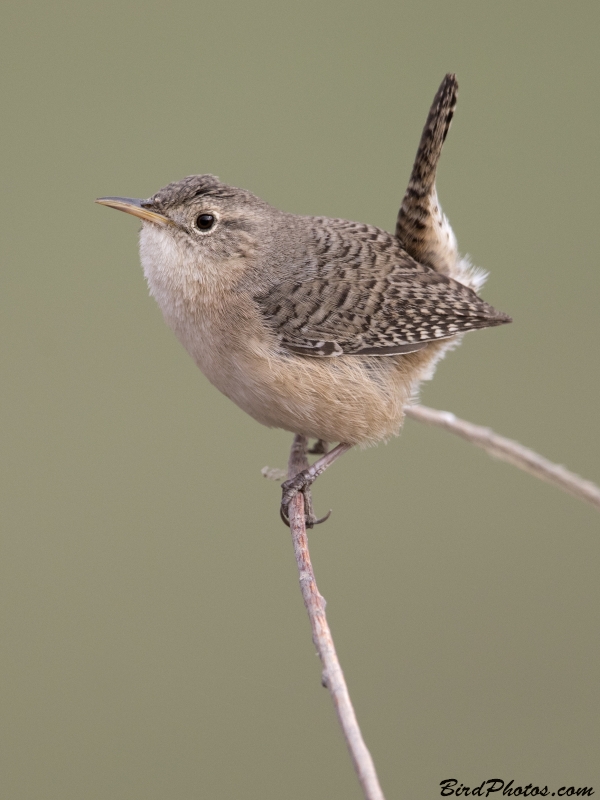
{"x": 358, "y": 400}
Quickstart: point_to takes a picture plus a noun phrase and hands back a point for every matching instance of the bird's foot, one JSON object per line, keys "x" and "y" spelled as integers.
{"x": 320, "y": 448}
{"x": 289, "y": 489}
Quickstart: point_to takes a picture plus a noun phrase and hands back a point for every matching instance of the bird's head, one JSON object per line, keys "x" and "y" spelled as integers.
{"x": 198, "y": 233}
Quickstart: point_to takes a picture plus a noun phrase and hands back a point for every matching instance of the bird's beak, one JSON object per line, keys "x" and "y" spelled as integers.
{"x": 133, "y": 206}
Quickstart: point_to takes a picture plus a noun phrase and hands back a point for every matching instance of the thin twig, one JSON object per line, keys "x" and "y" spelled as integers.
{"x": 511, "y": 451}
{"x": 333, "y": 677}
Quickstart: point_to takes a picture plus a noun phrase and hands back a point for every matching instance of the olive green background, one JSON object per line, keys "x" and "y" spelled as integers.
{"x": 154, "y": 641}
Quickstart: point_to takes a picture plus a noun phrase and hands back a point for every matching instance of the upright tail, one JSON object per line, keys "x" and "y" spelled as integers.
{"x": 422, "y": 228}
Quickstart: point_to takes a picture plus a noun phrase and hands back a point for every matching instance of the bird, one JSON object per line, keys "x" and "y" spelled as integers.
{"x": 323, "y": 327}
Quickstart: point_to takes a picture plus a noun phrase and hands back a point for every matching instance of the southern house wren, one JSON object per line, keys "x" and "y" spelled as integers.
{"x": 320, "y": 326}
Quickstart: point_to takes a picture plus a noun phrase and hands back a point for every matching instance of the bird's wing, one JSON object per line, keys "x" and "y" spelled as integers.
{"x": 369, "y": 302}
{"x": 422, "y": 227}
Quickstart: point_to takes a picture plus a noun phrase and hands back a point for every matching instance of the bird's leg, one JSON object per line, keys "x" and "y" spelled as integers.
{"x": 320, "y": 448}
{"x": 303, "y": 481}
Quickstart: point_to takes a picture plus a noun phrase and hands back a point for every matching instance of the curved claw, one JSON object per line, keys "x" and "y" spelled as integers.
{"x": 321, "y": 519}
{"x": 310, "y": 522}
{"x": 300, "y": 483}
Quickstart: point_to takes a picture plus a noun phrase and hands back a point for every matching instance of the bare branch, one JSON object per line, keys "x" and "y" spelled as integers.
{"x": 333, "y": 677}
{"x": 511, "y": 451}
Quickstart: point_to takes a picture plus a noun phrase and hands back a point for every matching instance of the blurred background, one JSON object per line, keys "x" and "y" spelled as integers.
{"x": 154, "y": 641}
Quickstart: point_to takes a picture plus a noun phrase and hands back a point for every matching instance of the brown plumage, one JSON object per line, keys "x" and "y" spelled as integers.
{"x": 320, "y": 326}
{"x": 358, "y": 292}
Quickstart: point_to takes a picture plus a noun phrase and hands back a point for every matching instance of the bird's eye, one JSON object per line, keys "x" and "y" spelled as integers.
{"x": 204, "y": 222}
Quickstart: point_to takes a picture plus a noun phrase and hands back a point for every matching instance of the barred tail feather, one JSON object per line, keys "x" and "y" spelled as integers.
{"x": 422, "y": 227}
